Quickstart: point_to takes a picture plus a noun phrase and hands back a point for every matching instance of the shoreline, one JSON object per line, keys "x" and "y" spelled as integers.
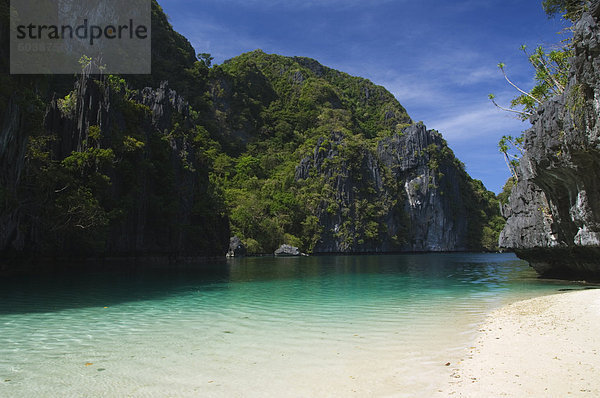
{"x": 32, "y": 265}
{"x": 541, "y": 347}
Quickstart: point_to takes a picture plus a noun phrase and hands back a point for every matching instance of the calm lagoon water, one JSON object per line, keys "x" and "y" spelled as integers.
{"x": 338, "y": 326}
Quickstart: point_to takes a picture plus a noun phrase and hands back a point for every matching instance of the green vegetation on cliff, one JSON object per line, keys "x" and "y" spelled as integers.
{"x": 107, "y": 168}
{"x": 272, "y": 112}
{"x": 270, "y": 148}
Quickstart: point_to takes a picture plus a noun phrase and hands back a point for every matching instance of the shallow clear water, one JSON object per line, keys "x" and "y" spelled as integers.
{"x": 289, "y": 327}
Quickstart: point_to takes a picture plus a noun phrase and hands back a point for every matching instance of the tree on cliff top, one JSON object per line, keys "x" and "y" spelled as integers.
{"x": 569, "y": 9}
{"x": 551, "y": 75}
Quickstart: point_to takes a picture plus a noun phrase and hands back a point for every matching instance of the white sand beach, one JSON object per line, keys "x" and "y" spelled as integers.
{"x": 544, "y": 347}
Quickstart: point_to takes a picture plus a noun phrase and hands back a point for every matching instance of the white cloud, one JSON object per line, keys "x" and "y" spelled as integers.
{"x": 410, "y": 90}
{"x": 476, "y": 122}
{"x": 476, "y": 75}
{"x": 221, "y": 41}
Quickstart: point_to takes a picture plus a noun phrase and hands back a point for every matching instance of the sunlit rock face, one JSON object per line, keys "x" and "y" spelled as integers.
{"x": 412, "y": 180}
{"x": 553, "y": 213}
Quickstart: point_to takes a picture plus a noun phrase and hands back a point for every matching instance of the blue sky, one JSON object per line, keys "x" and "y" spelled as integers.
{"x": 437, "y": 57}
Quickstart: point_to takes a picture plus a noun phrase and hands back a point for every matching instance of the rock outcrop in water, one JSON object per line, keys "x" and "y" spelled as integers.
{"x": 288, "y": 251}
{"x": 12, "y": 155}
{"x": 435, "y": 185}
{"x": 553, "y": 212}
{"x": 236, "y": 247}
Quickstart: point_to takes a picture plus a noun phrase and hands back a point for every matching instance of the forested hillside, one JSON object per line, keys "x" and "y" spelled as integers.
{"x": 272, "y": 149}
{"x": 332, "y": 163}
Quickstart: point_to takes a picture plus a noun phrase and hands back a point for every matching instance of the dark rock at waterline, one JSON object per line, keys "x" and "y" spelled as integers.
{"x": 236, "y": 247}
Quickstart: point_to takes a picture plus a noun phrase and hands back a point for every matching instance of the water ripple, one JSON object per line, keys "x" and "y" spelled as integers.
{"x": 388, "y": 321}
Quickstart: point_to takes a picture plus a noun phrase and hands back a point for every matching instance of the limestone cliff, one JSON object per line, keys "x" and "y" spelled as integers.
{"x": 107, "y": 167}
{"x": 431, "y": 180}
{"x": 115, "y": 173}
{"x": 279, "y": 150}
{"x": 553, "y": 212}
{"x": 410, "y": 194}
{"x": 332, "y": 163}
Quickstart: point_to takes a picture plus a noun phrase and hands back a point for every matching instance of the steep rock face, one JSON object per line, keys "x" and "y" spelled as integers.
{"x": 92, "y": 107}
{"x": 437, "y": 219}
{"x": 404, "y": 196}
{"x": 553, "y": 213}
{"x": 354, "y": 193}
{"x": 107, "y": 171}
{"x": 17, "y": 114}
{"x": 188, "y": 231}
{"x": 12, "y": 154}
{"x": 125, "y": 177}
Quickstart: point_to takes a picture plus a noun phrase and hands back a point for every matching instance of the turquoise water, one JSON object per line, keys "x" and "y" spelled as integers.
{"x": 282, "y": 327}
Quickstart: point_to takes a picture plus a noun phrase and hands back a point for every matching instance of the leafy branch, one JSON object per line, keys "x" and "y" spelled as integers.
{"x": 569, "y": 9}
{"x": 551, "y": 75}
{"x": 523, "y": 114}
{"x": 508, "y": 143}
{"x": 525, "y": 93}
